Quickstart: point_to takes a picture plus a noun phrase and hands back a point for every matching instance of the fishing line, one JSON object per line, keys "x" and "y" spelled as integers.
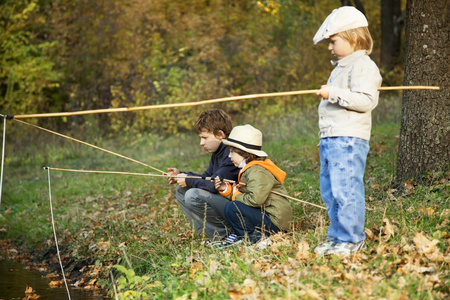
{"x": 90, "y": 145}
{"x": 54, "y": 232}
{"x": 3, "y": 158}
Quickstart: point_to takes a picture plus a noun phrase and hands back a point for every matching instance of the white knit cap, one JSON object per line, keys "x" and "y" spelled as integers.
{"x": 341, "y": 19}
{"x": 246, "y": 138}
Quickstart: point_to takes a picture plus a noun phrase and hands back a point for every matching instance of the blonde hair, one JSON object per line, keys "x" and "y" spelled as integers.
{"x": 359, "y": 37}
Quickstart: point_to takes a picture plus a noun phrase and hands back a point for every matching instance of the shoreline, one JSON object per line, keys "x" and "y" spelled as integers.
{"x": 83, "y": 274}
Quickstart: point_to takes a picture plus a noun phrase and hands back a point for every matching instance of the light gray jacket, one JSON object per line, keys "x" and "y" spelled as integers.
{"x": 354, "y": 84}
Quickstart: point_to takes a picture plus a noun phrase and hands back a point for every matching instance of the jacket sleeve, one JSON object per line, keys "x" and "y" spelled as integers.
{"x": 203, "y": 184}
{"x": 225, "y": 170}
{"x": 259, "y": 184}
{"x": 227, "y": 192}
{"x": 362, "y": 93}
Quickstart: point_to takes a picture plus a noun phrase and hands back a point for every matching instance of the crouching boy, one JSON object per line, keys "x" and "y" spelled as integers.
{"x": 198, "y": 198}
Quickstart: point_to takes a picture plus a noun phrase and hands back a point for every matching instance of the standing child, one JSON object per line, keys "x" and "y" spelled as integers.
{"x": 198, "y": 198}
{"x": 255, "y": 211}
{"x": 345, "y": 123}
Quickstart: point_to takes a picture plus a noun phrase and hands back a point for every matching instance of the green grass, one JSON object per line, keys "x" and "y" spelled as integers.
{"x": 135, "y": 221}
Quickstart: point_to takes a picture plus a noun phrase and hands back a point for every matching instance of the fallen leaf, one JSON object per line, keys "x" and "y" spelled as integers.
{"x": 381, "y": 248}
{"x": 302, "y": 251}
{"x": 424, "y": 245}
{"x": 387, "y": 229}
{"x": 427, "y": 211}
{"x": 55, "y": 283}
{"x": 410, "y": 185}
{"x": 29, "y": 290}
{"x": 213, "y": 266}
{"x": 234, "y": 295}
{"x": 369, "y": 233}
{"x": 414, "y": 267}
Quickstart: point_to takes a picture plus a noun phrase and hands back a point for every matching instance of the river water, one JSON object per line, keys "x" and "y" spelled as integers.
{"x": 14, "y": 279}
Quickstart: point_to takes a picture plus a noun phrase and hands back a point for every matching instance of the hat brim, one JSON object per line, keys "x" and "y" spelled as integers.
{"x": 259, "y": 153}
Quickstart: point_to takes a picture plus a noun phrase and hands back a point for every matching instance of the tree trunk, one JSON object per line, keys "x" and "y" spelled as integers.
{"x": 391, "y": 29}
{"x": 356, "y": 3}
{"x": 425, "y": 125}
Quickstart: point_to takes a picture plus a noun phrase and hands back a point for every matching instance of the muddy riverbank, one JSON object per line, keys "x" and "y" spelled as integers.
{"x": 37, "y": 275}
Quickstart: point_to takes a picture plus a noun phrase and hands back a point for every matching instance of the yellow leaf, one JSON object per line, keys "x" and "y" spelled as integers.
{"x": 428, "y": 211}
{"x": 302, "y": 250}
{"x": 410, "y": 186}
{"x": 213, "y": 266}
{"x": 55, "y": 283}
{"x": 29, "y": 290}
{"x": 369, "y": 233}
{"x": 424, "y": 245}
{"x": 234, "y": 295}
{"x": 387, "y": 229}
{"x": 381, "y": 248}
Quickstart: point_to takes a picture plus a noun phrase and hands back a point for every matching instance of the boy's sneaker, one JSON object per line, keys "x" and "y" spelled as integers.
{"x": 346, "y": 249}
{"x": 231, "y": 240}
{"x": 323, "y": 249}
{"x": 209, "y": 242}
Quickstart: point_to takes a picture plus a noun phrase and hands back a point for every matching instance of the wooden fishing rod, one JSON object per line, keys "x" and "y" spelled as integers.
{"x": 203, "y": 102}
{"x": 135, "y": 174}
{"x": 283, "y": 195}
{"x": 173, "y": 176}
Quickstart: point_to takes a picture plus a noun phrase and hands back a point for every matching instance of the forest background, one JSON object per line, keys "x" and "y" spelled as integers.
{"x": 127, "y": 232}
{"x": 80, "y": 55}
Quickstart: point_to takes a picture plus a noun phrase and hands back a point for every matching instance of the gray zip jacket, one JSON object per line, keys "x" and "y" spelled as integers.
{"x": 354, "y": 84}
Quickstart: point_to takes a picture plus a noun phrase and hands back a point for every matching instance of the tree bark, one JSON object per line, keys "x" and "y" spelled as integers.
{"x": 425, "y": 125}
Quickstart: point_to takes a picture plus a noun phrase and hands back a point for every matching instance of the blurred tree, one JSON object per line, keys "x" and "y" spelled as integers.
{"x": 392, "y": 20}
{"x": 116, "y": 53}
{"x": 424, "y": 144}
{"x": 356, "y": 3}
{"x": 28, "y": 80}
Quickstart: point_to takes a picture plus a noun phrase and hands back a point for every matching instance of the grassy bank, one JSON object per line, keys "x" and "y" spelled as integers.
{"x": 135, "y": 224}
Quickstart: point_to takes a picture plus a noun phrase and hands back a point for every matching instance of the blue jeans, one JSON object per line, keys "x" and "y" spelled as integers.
{"x": 249, "y": 221}
{"x": 342, "y": 165}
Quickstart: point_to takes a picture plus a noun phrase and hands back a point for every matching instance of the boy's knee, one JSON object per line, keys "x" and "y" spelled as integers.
{"x": 192, "y": 198}
{"x": 180, "y": 194}
{"x": 230, "y": 208}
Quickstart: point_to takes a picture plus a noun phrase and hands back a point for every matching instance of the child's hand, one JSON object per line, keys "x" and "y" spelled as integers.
{"x": 173, "y": 172}
{"x": 219, "y": 185}
{"x": 324, "y": 91}
{"x": 181, "y": 180}
{"x": 236, "y": 188}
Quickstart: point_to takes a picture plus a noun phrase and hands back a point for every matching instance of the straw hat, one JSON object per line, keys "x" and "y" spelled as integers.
{"x": 247, "y": 138}
{"x": 341, "y": 19}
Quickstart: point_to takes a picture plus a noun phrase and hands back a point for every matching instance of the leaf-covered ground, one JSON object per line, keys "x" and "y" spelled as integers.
{"x": 127, "y": 236}
{"x": 407, "y": 254}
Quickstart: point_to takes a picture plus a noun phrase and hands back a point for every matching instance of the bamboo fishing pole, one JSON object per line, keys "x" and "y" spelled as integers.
{"x": 203, "y": 102}
{"x": 135, "y": 174}
{"x": 173, "y": 176}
